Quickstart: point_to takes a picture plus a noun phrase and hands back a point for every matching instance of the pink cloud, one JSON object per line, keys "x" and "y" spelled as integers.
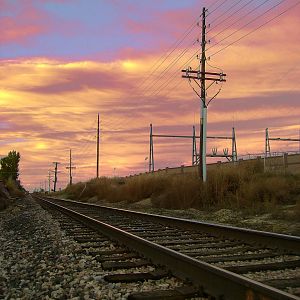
{"x": 22, "y": 22}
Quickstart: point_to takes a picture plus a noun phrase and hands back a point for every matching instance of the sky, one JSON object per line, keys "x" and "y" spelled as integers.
{"x": 64, "y": 61}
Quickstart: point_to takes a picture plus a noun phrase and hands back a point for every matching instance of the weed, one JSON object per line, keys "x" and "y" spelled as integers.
{"x": 243, "y": 186}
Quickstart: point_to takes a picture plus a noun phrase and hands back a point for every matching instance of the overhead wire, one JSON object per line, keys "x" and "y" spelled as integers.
{"x": 165, "y": 57}
{"x": 245, "y": 25}
{"x": 252, "y": 31}
{"x": 177, "y": 59}
{"x": 155, "y": 80}
{"x": 228, "y": 17}
{"x": 177, "y": 43}
{"x": 165, "y": 84}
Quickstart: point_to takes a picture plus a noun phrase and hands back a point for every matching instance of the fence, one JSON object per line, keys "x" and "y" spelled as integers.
{"x": 281, "y": 163}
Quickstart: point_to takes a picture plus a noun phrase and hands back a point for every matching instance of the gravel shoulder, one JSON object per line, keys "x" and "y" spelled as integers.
{"x": 38, "y": 261}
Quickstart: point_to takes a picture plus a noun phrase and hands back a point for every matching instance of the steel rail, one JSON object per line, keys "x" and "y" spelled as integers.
{"x": 212, "y": 280}
{"x": 286, "y": 243}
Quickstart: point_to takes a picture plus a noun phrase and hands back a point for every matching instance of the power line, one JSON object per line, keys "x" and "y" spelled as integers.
{"x": 165, "y": 84}
{"x": 250, "y": 22}
{"x": 176, "y": 59}
{"x": 176, "y": 44}
{"x": 164, "y": 73}
{"x": 216, "y": 8}
{"x": 155, "y": 80}
{"x": 228, "y": 17}
{"x": 252, "y": 31}
{"x": 191, "y": 28}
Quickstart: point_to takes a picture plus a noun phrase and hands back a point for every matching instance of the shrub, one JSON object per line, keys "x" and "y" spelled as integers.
{"x": 241, "y": 186}
{"x": 13, "y": 188}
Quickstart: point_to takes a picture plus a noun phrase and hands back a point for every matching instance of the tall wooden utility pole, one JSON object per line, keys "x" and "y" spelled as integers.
{"x": 98, "y": 144}
{"x": 55, "y": 175}
{"x": 70, "y": 167}
{"x": 49, "y": 181}
{"x": 201, "y": 76}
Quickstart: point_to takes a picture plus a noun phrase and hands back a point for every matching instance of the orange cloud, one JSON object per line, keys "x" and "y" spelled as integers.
{"x": 49, "y": 106}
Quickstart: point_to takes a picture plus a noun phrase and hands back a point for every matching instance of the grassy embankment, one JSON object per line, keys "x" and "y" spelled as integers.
{"x": 243, "y": 187}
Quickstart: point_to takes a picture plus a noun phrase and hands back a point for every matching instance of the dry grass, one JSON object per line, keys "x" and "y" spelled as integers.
{"x": 13, "y": 189}
{"x": 241, "y": 187}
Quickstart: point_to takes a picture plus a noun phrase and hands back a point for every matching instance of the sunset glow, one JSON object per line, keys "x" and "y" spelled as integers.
{"x": 62, "y": 62}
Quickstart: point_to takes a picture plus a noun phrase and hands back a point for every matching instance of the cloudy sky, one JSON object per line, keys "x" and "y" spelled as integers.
{"x": 63, "y": 61}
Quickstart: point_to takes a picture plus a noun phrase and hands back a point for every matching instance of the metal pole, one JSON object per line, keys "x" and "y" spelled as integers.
{"x": 203, "y": 121}
{"x": 194, "y": 151}
{"x": 267, "y": 144}
{"x": 151, "y": 154}
{"x": 70, "y": 166}
{"x": 55, "y": 176}
{"x": 204, "y": 144}
{"x": 234, "y": 150}
{"x": 49, "y": 182}
{"x": 98, "y": 142}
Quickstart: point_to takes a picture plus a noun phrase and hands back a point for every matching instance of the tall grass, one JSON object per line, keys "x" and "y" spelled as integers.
{"x": 240, "y": 186}
{"x": 13, "y": 188}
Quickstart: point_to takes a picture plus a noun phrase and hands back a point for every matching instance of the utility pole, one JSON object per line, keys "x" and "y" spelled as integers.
{"x": 70, "y": 167}
{"x": 49, "y": 181}
{"x": 201, "y": 76}
{"x": 151, "y": 154}
{"x": 98, "y": 144}
{"x": 55, "y": 175}
{"x": 203, "y": 119}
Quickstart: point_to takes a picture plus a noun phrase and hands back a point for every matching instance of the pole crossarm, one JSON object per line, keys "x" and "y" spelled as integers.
{"x": 190, "y": 136}
{"x": 200, "y": 73}
{"x": 218, "y": 155}
{"x": 284, "y": 139}
{"x": 187, "y": 72}
{"x": 268, "y": 139}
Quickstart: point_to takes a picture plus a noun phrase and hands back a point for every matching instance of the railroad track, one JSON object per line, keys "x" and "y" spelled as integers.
{"x": 223, "y": 262}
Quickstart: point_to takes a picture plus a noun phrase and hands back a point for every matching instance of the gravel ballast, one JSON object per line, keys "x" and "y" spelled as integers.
{"x": 38, "y": 261}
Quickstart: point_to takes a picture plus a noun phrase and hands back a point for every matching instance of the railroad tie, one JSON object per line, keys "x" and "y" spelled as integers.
{"x": 114, "y": 265}
{"x": 124, "y": 256}
{"x": 180, "y": 293}
{"x": 264, "y": 267}
{"x": 134, "y": 277}
{"x": 283, "y": 283}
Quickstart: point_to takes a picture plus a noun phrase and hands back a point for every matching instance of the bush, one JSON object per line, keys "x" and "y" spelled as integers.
{"x": 13, "y": 188}
{"x": 240, "y": 186}
{"x": 179, "y": 192}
